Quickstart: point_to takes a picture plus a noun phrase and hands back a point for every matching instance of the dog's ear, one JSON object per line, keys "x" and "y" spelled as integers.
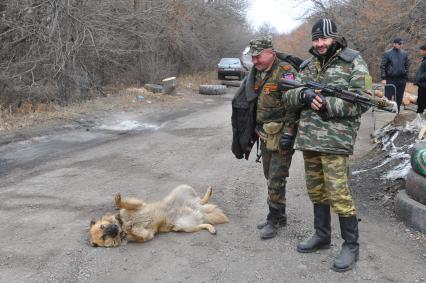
{"x": 92, "y": 222}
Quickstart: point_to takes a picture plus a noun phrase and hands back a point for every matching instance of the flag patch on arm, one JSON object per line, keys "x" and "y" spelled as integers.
{"x": 288, "y": 76}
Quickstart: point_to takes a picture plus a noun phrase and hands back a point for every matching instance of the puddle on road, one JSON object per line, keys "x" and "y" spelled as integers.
{"x": 129, "y": 125}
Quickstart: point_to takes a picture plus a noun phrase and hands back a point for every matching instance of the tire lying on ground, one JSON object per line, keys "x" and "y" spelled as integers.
{"x": 413, "y": 213}
{"x": 212, "y": 89}
{"x": 415, "y": 185}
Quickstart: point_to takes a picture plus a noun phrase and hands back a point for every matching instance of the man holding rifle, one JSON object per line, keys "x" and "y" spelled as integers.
{"x": 327, "y": 129}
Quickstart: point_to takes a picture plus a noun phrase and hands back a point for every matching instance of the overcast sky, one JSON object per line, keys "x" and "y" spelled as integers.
{"x": 281, "y": 14}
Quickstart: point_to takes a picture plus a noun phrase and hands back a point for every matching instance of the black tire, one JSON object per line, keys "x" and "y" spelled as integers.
{"x": 410, "y": 211}
{"x": 415, "y": 185}
{"x": 153, "y": 88}
{"x": 212, "y": 89}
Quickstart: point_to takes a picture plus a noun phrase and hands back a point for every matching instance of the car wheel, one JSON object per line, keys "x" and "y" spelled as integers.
{"x": 212, "y": 89}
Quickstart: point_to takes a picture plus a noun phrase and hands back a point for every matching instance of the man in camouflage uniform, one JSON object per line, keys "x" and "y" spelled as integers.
{"x": 269, "y": 67}
{"x": 327, "y": 129}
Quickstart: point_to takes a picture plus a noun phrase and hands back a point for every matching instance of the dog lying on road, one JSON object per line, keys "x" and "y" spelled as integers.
{"x": 181, "y": 210}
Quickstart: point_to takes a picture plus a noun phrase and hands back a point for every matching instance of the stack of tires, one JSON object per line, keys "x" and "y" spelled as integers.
{"x": 410, "y": 204}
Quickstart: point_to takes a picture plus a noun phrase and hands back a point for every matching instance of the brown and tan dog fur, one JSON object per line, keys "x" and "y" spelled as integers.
{"x": 181, "y": 210}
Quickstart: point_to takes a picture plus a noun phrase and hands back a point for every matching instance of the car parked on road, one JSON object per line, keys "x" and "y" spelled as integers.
{"x": 228, "y": 67}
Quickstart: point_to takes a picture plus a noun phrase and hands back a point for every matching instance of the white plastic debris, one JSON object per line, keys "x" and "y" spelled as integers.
{"x": 416, "y": 125}
{"x": 400, "y": 171}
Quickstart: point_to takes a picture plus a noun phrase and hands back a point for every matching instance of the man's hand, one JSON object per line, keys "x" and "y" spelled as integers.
{"x": 286, "y": 142}
{"x": 308, "y": 95}
{"x": 314, "y": 99}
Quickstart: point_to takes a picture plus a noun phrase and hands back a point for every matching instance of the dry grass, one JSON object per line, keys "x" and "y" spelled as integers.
{"x": 28, "y": 115}
{"x": 195, "y": 80}
{"x": 115, "y": 99}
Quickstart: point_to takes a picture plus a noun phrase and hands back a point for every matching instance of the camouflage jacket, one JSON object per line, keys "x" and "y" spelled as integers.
{"x": 270, "y": 105}
{"x": 336, "y": 131}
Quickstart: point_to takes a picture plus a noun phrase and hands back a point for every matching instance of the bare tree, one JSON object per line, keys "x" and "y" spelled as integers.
{"x": 370, "y": 25}
{"x": 61, "y": 49}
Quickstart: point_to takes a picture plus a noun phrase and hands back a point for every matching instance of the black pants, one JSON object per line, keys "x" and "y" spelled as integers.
{"x": 421, "y": 99}
{"x": 398, "y": 90}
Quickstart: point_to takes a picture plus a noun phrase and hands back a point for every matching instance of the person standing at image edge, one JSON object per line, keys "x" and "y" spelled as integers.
{"x": 421, "y": 81}
{"x": 394, "y": 71}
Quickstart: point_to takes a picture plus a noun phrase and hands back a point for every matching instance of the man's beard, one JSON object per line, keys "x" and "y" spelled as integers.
{"x": 331, "y": 49}
{"x": 327, "y": 47}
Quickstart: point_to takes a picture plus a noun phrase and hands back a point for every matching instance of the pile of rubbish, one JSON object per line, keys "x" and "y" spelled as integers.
{"x": 393, "y": 143}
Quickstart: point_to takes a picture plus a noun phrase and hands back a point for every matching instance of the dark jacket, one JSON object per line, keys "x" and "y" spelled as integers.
{"x": 244, "y": 117}
{"x": 421, "y": 74}
{"x": 394, "y": 64}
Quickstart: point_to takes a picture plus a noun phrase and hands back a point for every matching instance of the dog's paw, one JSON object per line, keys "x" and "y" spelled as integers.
{"x": 212, "y": 230}
{"x": 117, "y": 200}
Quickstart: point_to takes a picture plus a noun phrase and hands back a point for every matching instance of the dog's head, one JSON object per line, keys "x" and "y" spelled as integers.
{"x": 107, "y": 231}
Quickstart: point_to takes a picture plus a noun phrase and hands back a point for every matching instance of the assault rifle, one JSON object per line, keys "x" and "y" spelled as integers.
{"x": 346, "y": 95}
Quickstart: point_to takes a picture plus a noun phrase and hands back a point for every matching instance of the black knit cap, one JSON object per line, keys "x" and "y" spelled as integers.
{"x": 324, "y": 28}
{"x": 397, "y": 40}
{"x": 423, "y": 47}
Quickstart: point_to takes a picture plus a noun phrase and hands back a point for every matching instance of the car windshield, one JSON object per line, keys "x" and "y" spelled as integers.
{"x": 230, "y": 61}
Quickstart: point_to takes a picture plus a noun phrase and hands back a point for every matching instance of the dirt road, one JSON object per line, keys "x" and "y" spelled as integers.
{"x": 53, "y": 183}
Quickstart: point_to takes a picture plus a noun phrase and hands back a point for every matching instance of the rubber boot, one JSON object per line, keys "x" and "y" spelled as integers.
{"x": 350, "y": 247}
{"x": 321, "y": 239}
{"x": 276, "y": 218}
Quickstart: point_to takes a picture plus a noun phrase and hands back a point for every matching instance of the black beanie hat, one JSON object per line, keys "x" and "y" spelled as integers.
{"x": 423, "y": 47}
{"x": 324, "y": 28}
{"x": 397, "y": 40}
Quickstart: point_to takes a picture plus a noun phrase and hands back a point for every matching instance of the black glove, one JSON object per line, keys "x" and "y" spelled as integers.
{"x": 286, "y": 142}
{"x": 308, "y": 95}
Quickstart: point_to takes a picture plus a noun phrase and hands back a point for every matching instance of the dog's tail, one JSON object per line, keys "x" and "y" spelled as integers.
{"x": 213, "y": 214}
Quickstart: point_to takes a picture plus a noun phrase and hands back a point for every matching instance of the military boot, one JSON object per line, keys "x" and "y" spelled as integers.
{"x": 322, "y": 236}
{"x": 350, "y": 247}
{"x": 276, "y": 218}
{"x": 282, "y": 219}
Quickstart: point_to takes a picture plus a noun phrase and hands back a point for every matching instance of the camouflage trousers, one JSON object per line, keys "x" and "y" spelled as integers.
{"x": 327, "y": 181}
{"x": 275, "y": 168}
